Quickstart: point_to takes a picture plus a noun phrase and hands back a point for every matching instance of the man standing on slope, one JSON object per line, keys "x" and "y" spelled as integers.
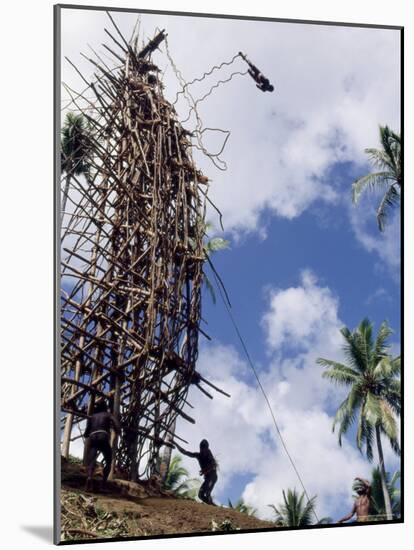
{"x": 98, "y": 432}
{"x": 208, "y": 468}
{"x": 362, "y": 503}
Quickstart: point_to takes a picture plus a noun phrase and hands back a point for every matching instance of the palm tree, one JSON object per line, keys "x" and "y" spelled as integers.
{"x": 374, "y": 398}
{"x": 389, "y": 175}
{"x": 177, "y": 480}
{"x": 377, "y": 496}
{"x": 74, "y": 150}
{"x": 295, "y": 510}
{"x": 241, "y": 506}
{"x": 74, "y": 162}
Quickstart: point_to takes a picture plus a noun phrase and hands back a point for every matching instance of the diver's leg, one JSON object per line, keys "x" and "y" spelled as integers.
{"x": 211, "y": 481}
{"x": 202, "y": 491}
{"x": 107, "y": 454}
{"x": 92, "y": 453}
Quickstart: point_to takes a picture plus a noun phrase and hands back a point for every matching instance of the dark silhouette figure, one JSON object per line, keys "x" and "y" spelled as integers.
{"x": 262, "y": 82}
{"x": 208, "y": 468}
{"x": 98, "y": 431}
{"x": 362, "y": 502}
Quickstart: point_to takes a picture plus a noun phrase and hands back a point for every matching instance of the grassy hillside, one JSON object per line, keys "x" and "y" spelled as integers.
{"x": 127, "y": 509}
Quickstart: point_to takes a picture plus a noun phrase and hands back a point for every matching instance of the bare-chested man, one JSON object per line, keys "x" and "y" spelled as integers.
{"x": 97, "y": 430}
{"x": 362, "y": 502}
{"x": 208, "y": 468}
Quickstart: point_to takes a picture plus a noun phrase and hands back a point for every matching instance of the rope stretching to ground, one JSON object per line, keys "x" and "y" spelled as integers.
{"x": 227, "y": 305}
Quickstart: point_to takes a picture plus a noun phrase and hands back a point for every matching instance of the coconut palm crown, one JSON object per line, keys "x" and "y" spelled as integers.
{"x": 374, "y": 398}
{"x": 177, "y": 480}
{"x": 74, "y": 150}
{"x": 377, "y": 497}
{"x": 388, "y": 174}
{"x": 74, "y": 144}
{"x": 242, "y": 507}
{"x": 372, "y": 376}
{"x": 295, "y": 510}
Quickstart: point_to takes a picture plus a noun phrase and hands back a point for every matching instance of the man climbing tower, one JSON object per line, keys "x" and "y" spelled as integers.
{"x": 262, "y": 82}
{"x": 208, "y": 468}
{"x": 362, "y": 503}
{"x": 98, "y": 433}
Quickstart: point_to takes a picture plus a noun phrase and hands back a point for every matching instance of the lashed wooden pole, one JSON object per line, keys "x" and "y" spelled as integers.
{"x": 132, "y": 262}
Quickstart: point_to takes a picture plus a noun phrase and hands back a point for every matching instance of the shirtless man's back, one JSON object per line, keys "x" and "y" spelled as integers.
{"x": 362, "y": 503}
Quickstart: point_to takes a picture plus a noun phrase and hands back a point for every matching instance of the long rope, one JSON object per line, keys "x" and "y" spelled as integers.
{"x": 236, "y": 328}
{"x": 216, "y": 67}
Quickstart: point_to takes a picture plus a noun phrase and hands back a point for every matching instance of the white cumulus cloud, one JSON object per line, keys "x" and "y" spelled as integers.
{"x": 333, "y": 86}
{"x": 240, "y": 429}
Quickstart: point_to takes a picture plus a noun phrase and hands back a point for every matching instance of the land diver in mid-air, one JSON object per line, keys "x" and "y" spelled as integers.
{"x": 262, "y": 82}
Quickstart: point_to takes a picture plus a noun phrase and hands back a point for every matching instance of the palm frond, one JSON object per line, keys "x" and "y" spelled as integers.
{"x": 363, "y": 340}
{"x": 388, "y": 422}
{"x": 216, "y": 244}
{"x": 381, "y": 346}
{"x": 372, "y": 182}
{"x": 339, "y": 377}
{"x": 391, "y": 144}
{"x": 361, "y": 434}
{"x": 176, "y": 473}
{"x": 387, "y": 368}
{"x": 380, "y": 159}
{"x": 294, "y": 511}
{"x": 394, "y": 385}
{"x": 242, "y": 507}
{"x": 395, "y": 446}
{"x": 392, "y": 395}
{"x": 389, "y": 175}
{"x": 325, "y": 520}
{"x": 390, "y": 199}
{"x": 352, "y": 350}
{"x": 365, "y": 433}
{"x": 75, "y": 145}
{"x": 394, "y": 480}
{"x": 275, "y": 510}
{"x": 188, "y": 488}
{"x": 338, "y": 373}
{"x": 377, "y": 495}
{"x": 346, "y": 413}
{"x": 373, "y": 409}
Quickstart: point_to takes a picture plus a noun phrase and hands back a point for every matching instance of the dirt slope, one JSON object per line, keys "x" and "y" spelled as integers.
{"x": 129, "y": 509}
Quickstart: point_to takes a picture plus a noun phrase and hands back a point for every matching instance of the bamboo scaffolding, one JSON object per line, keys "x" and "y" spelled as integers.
{"x": 132, "y": 261}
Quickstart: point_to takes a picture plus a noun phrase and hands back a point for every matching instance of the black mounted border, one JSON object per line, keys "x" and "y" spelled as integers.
{"x": 56, "y": 256}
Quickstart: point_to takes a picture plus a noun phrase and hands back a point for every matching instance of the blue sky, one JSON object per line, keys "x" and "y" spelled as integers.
{"x": 321, "y": 240}
{"x": 303, "y": 262}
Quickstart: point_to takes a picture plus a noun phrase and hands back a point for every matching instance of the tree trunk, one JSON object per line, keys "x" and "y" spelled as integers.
{"x": 387, "y": 499}
{"x": 114, "y": 435}
{"x": 86, "y": 442}
{"x": 166, "y": 456}
{"x": 67, "y": 432}
{"x": 65, "y": 195}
